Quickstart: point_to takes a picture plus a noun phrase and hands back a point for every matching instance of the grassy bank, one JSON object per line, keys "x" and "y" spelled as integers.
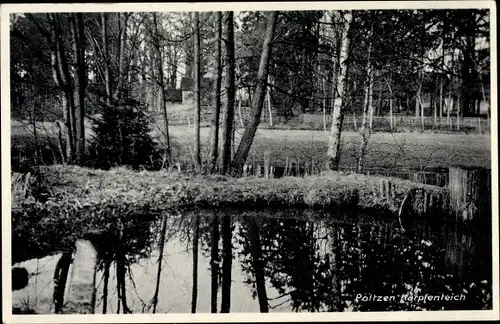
{"x": 63, "y": 203}
{"x": 162, "y": 190}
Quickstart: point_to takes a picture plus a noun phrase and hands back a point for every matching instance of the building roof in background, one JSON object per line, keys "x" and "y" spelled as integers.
{"x": 187, "y": 84}
{"x": 174, "y": 95}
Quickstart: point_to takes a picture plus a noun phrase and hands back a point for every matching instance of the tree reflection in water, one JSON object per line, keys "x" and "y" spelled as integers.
{"x": 312, "y": 261}
{"x": 335, "y": 264}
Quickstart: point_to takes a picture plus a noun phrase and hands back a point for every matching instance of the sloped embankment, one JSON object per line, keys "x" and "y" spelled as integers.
{"x": 68, "y": 202}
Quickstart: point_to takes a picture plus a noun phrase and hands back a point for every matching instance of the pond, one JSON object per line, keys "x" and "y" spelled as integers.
{"x": 293, "y": 260}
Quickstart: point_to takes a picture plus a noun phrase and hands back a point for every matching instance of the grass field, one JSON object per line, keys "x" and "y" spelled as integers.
{"x": 385, "y": 150}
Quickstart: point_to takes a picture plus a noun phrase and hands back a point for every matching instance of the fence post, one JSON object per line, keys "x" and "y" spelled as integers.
{"x": 469, "y": 193}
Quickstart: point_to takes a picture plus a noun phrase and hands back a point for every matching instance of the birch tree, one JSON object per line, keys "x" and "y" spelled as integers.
{"x": 334, "y": 150}
{"x": 368, "y": 105}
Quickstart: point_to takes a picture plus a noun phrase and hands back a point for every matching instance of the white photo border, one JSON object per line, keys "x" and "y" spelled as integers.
{"x": 7, "y": 9}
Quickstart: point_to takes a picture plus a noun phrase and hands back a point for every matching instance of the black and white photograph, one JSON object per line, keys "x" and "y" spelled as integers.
{"x": 248, "y": 158}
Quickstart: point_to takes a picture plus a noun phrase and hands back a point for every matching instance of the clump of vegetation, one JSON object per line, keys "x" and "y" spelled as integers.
{"x": 122, "y": 138}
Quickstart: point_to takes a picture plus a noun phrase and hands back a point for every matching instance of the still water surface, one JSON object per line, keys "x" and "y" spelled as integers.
{"x": 312, "y": 261}
{"x": 318, "y": 261}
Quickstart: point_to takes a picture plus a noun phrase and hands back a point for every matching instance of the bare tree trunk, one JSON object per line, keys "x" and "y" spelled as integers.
{"x": 167, "y": 128}
{"x": 248, "y": 135}
{"x": 334, "y": 152}
{"x": 324, "y": 118}
{"x": 451, "y": 94}
{"x": 67, "y": 121}
{"x": 441, "y": 85}
{"x": 214, "y": 261}
{"x": 60, "y": 141}
{"x": 162, "y": 85}
{"x": 214, "y": 141}
{"x": 37, "y": 155}
{"x": 391, "y": 113}
{"x": 35, "y": 137}
{"x": 371, "y": 110}
{"x": 196, "y": 238}
{"x": 123, "y": 18}
{"x": 379, "y": 103}
{"x": 449, "y": 109}
{"x": 80, "y": 83}
{"x": 441, "y": 76}
{"x": 250, "y": 101}
{"x": 483, "y": 92}
{"x": 419, "y": 108}
{"x": 227, "y": 258}
{"x": 336, "y": 68}
{"x": 227, "y": 127}
{"x": 417, "y": 103}
{"x": 160, "y": 261}
{"x": 197, "y": 103}
{"x": 389, "y": 87}
{"x": 422, "y": 116}
{"x": 325, "y": 94}
{"x": 269, "y": 107}
{"x": 242, "y": 123}
{"x": 62, "y": 78}
{"x": 173, "y": 75}
{"x": 441, "y": 100}
{"x": 233, "y": 140}
{"x": 435, "y": 108}
{"x": 67, "y": 80}
{"x": 82, "y": 76}
{"x": 105, "y": 53}
{"x": 367, "y": 107}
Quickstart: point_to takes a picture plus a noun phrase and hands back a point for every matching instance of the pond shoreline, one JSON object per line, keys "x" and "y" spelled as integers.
{"x": 173, "y": 190}
{"x": 56, "y": 205}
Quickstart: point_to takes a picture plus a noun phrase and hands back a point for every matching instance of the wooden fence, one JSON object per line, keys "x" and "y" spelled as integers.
{"x": 351, "y": 122}
{"x": 454, "y": 123}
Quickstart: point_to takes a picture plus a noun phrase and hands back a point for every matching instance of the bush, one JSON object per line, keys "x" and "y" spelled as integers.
{"x": 122, "y": 138}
